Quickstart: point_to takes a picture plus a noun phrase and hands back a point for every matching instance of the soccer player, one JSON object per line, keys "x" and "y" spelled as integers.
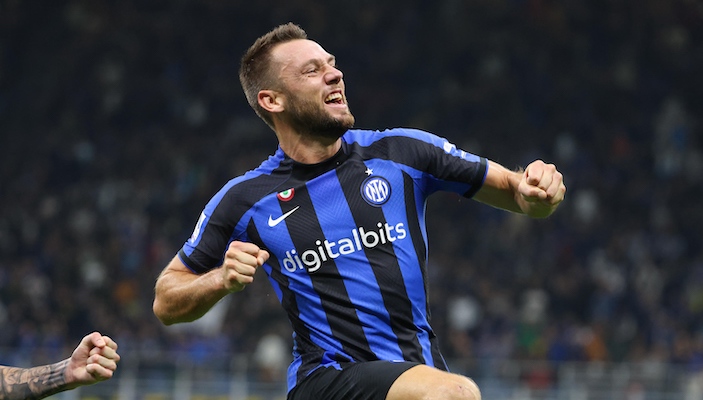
{"x": 336, "y": 219}
{"x": 94, "y": 360}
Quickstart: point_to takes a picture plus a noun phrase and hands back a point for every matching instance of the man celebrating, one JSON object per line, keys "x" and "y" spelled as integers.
{"x": 336, "y": 218}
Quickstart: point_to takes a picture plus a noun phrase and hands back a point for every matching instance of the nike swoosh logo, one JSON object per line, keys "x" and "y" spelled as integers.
{"x": 274, "y": 222}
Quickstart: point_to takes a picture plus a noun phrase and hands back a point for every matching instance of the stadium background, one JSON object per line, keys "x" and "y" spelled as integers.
{"x": 118, "y": 120}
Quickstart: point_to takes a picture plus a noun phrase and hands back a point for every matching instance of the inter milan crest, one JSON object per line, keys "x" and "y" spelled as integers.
{"x": 286, "y": 194}
{"x": 376, "y": 190}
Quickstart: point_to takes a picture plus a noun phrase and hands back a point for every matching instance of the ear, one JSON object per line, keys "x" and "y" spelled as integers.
{"x": 271, "y": 101}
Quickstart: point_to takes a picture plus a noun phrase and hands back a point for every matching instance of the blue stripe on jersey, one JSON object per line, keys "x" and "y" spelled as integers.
{"x": 356, "y": 271}
{"x": 293, "y": 371}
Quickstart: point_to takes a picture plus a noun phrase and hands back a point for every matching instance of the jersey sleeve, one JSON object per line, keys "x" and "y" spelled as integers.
{"x": 213, "y": 232}
{"x": 445, "y": 167}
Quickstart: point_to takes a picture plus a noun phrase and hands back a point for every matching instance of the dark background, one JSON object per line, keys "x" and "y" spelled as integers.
{"x": 119, "y": 120}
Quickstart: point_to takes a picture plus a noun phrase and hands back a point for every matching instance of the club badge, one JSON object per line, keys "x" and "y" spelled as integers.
{"x": 376, "y": 190}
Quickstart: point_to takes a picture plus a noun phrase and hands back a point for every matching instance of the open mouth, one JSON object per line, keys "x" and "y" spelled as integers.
{"x": 334, "y": 98}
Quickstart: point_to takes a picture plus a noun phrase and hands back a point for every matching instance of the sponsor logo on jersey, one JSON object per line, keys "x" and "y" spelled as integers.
{"x": 286, "y": 195}
{"x": 376, "y": 190}
{"x": 358, "y": 240}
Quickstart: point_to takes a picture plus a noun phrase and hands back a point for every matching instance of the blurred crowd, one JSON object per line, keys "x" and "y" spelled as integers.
{"x": 119, "y": 120}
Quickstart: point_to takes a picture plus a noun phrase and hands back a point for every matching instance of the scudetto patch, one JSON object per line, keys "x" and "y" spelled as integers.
{"x": 286, "y": 195}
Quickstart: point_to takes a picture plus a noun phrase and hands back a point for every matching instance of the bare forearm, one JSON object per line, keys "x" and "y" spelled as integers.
{"x": 185, "y": 297}
{"x": 182, "y": 296}
{"x": 500, "y": 189}
{"x": 33, "y": 383}
{"x": 536, "y": 191}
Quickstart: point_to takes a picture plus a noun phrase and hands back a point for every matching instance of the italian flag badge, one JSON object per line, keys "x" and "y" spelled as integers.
{"x": 286, "y": 194}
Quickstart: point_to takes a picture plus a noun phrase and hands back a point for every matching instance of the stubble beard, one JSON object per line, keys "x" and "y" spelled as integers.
{"x": 309, "y": 119}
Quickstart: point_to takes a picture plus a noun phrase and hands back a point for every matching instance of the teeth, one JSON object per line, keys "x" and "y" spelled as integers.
{"x": 333, "y": 97}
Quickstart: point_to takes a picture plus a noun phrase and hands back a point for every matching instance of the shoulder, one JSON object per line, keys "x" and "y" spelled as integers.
{"x": 406, "y": 138}
{"x": 366, "y": 137}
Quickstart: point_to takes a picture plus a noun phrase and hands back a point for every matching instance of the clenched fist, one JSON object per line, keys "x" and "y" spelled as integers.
{"x": 240, "y": 264}
{"x": 95, "y": 359}
{"x": 542, "y": 188}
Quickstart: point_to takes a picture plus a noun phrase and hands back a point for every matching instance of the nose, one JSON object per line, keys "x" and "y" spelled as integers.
{"x": 333, "y": 75}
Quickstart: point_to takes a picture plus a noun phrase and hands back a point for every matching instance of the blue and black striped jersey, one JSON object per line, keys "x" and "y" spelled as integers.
{"x": 348, "y": 243}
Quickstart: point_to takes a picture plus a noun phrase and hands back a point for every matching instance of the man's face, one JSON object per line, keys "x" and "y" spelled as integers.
{"x": 313, "y": 90}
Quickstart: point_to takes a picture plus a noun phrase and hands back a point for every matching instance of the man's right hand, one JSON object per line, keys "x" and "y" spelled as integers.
{"x": 241, "y": 261}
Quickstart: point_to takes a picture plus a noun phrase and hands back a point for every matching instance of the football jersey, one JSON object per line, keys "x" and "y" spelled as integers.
{"x": 347, "y": 240}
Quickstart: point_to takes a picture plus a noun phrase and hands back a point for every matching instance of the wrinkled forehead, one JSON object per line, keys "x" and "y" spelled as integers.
{"x": 296, "y": 53}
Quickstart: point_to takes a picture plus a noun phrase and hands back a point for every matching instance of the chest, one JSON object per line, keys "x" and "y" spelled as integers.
{"x": 345, "y": 213}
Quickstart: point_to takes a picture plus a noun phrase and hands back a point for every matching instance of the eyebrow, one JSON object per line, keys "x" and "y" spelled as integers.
{"x": 330, "y": 60}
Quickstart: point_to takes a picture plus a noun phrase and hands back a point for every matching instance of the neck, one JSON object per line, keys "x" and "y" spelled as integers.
{"x": 308, "y": 149}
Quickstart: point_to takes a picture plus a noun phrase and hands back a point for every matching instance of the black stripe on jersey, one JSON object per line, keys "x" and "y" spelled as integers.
{"x": 386, "y": 269}
{"x": 287, "y": 298}
{"x": 310, "y": 351}
{"x": 437, "y": 357}
{"x": 339, "y": 310}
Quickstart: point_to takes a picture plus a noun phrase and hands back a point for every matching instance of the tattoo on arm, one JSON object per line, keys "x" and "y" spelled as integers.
{"x": 32, "y": 383}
